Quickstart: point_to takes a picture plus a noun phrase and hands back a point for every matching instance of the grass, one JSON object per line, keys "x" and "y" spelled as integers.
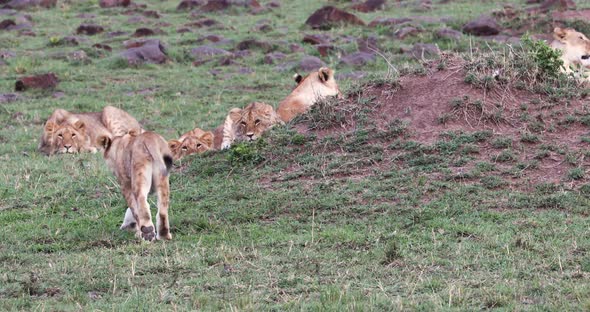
{"x": 352, "y": 221}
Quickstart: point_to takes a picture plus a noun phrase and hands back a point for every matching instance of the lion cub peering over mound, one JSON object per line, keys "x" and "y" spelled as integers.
{"x": 66, "y": 132}
{"x": 195, "y": 141}
{"x": 141, "y": 162}
{"x": 310, "y": 89}
{"x": 246, "y": 124}
{"x": 575, "y": 48}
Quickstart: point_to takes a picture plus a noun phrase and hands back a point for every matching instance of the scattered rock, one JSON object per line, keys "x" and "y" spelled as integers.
{"x": 274, "y": 4}
{"x": 405, "y": 32}
{"x": 482, "y": 26}
{"x": 190, "y": 4}
{"x": 358, "y": 59}
{"x": 148, "y": 51}
{"x": 329, "y": 16}
{"x": 8, "y": 97}
{"x": 250, "y": 44}
{"x": 183, "y": 30}
{"x": 263, "y": 26}
{"x": 102, "y": 46}
{"x": 145, "y": 32}
{"x": 78, "y": 56}
{"x": 212, "y": 38}
{"x": 215, "y": 5}
{"x": 272, "y": 58}
{"x": 152, "y": 14}
{"x": 294, "y": 48}
{"x": 7, "y": 24}
{"x": 25, "y": 4}
{"x": 369, "y": 6}
{"x": 44, "y": 81}
{"x": 448, "y": 33}
{"x": 71, "y": 40}
{"x": 368, "y": 45}
{"x": 424, "y": 50}
{"x": 89, "y": 29}
{"x": 113, "y": 34}
{"x": 549, "y": 5}
{"x": 204, "y": 22}
{"x": 114, "y": 3}
{"x": 310, "y": 63}
{"x": 316, "y": 39}
{"x": 325, "y": 49}
{"x": 206, "y": 53}
{"x": 388, "y": 21}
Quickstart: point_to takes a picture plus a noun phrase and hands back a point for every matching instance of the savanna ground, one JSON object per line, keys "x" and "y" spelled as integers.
{"x": 379, "y": 203}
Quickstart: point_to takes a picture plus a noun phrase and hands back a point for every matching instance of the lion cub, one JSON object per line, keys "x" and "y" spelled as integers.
{"x": 246, "y": 124}
{"x": 195, "y": 141}
{"x": 141, "y": 162}
{"x": 575, "y": 49}
{"x": 310, "y": 89}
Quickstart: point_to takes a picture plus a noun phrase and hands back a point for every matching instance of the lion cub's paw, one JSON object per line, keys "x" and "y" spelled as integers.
{"x": 148, "y": 233}
{"x": 129, "y": 223}
{"x": 164, "y": 235}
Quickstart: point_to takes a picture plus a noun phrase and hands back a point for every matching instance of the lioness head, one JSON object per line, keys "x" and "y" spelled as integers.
{"x": 574, "y": 45}
{"x": 249, "y": 123}
{"x": 66, "y": 138}
{"x": 196, "y": 141}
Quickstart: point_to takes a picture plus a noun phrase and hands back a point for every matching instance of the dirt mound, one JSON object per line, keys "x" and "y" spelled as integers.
{"x": 522, "y": 138}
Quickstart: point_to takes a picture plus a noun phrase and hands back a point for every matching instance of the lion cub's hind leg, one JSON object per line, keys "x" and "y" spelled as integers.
{"x": 141, "y": 183}
{"x": 163, "y": 187}
{"x": 129, "y": 222}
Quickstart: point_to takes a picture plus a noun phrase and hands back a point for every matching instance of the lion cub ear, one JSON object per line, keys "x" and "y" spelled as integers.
{"x": 50, "y": 127}
{"x": 104, "y": 142}
{"x": 560, "y": 34}
{"x": 298, "y": 78}
{"x": 235, "y": 114}
{"x": 325, "y": 73}
{"x": 80, "y": 126}
{"x": 208, "y": 138}
{"x": 174, "y": 144}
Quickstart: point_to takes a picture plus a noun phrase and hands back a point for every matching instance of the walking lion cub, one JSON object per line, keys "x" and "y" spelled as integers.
{"x": 141, "y": 162}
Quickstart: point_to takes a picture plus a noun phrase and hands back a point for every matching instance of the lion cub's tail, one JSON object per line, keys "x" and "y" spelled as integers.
{"x": 161, "y": 155}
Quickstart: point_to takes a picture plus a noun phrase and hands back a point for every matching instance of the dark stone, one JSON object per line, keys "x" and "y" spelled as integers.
{"x": 44, "y": 81}
{"x": 25, "y": 4}
{"x": 328, "y": 16}
{"x": 316, "y": 39}
{"x": 89, "y": 29}
{"x": 148, "y": 51}
{"x": 448, "y": 33}
{"x": 325, "y": 49}
{"x": 309, "y": 63}
{"x": 358, "y": 59}
{"x": 144, "y": 32}
{"x": 215, "y": 5}
{"x": 405, "y": 32}
{"x": 482, "y": 26}
{"x": 250, "y": 44}
{"x": 114, "y": 3}
{"x": 4, "y": 54}
{"x": 204, "y": 22}
{"x": 113, "y": 34}
{"x": 7, "y": 24}
{"x": 152, "y": 14}
{"x": 189, "y": 4}
{"x": 102, "y": 46}
{"x": 272, "y": 58}
{"x": 369, "y": 6}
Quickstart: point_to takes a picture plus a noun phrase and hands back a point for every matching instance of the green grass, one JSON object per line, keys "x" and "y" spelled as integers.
{"x": 353, "y": 221}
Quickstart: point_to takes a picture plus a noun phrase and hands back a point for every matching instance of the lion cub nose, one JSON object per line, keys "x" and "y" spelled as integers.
{"x": 67, "y": 146}
{"x": 250, "y": 134}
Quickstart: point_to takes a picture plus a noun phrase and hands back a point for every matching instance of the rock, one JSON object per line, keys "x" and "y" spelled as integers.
{"x": 113, "y": 34}
{"x": 4, "y": 54}
{"x": 325, "y": 49}
{"x": 310, "y": 63}
{"x": 482, "y": 26}
{"x": 114, "y": 3}
{"x": 316, "y": 39}
{"x": 25, "y": 4}
{"x": 152, "y": 14}
{"x": 89, "y": 29}
{"x": 206, "y": 53}
{"x": 424, "y": 50}
{"x": 8, "y": 97}
{"x": 213, "y": 38}
{"x": 272, "y": 58}
{"x": 183, "y": 30}
{"x": 215, "y": 5}
{"x": 388, "y": 21}
{"x": 7, "y": 24}
{"x": 145, "y": 32}
{"x": 368, "y": 45}
{"x": 369, "y": 6}
{"x": 358, "y": 59}
{"x": 549, "y": 5}
{"x": 405, "y": 32}
{"x": 44, "y": 81}
{"x": 250, "y": 44}
{"x": 78, "y": 56}
{"x": 273, "y": 4}
{"x": 329, "y": 16}
{"x": 190, "y": 4}
{"x": 204, "y": 22}
{"x": 262, "y": 26}
{"x": 294, "y": 48}
{"x": 148, "y": 51}
{"x": 448, "y": 33}
{"x": 102, "y": 46}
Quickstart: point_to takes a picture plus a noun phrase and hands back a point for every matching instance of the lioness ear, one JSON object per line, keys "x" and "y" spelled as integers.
{"x": 325, "y": 73}
{"x": 50, "y": 127}
{"x": 79, "y": 125}
{"x": 208, "y": 138}
{"x": 298, "y": 78}
{"x": 104, "y": 141}
{"x": 174, "y": 144}
{"x": 235, "y": 114}
{"x": 134, "y": 132}
{"x": 560, "y": 34}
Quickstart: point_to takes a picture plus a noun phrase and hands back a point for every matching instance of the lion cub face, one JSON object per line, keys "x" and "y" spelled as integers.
{"x": 195, "y": 141}
{"x": 574, "y": 45}
{"x": 66, "y": 138}
{"x": 249, "y": 123}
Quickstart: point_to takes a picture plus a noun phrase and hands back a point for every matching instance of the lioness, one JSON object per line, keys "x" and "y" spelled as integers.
{"x": 66, "y": 132}
{"x": 195, "y": 141}
{"x": 247, "y": 124}
{"x": 575, "y": 49}
{"x": 316, "y": 86}
{"x": 141, "y": 163}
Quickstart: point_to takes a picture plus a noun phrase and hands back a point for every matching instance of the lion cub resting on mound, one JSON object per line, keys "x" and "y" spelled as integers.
{"x": 575, "y": 49}
{"x": 314, "y": 87}
{"x": 246, "y": 124}
{"x": 69, "y": 133}
{"x": 141, "y": 163}
{"x": 195, "y": 141}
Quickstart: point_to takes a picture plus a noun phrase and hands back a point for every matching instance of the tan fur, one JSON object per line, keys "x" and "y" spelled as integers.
{"x": 195, "y": 141}
{"x": 141, "y": 163}
{"x": 119, "y": 122}
{"x": 575, "y": 48}
{"x": 248, "y": 124}
{"x": 65, "y": 132}
{"x": 316, "y": 86}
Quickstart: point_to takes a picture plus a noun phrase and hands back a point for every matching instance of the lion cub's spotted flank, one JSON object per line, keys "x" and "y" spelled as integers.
{"x": 141, "y": 162}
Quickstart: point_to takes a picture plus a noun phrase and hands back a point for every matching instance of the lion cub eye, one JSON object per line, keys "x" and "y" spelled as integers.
{"x": 184, "y": 148}
{"x": 243, "y": 123}
{"x": 257, "y": 121}
{"x": 199, "y": 145}
{"x": 60, "y": 136}
{"x": 73, "y": 135}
